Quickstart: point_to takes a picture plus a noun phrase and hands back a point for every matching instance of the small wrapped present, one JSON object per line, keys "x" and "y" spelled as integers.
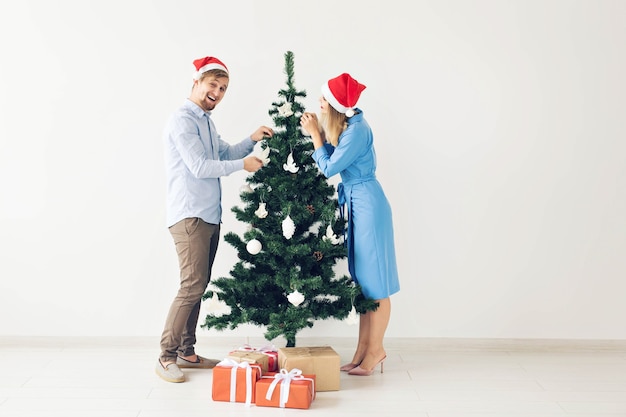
{"x": 321, "y": 361}
{"x": 269, "y": 350}
{"x": 286, "y": 389}
{"x": 235, "y": 382}
{"x": 252, "y": 357}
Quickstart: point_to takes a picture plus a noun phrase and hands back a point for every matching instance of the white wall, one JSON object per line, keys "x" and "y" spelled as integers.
{"x": 499, "y": 127}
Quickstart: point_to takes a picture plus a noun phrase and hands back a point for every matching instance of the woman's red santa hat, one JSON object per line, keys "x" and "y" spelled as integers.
{"x": 342, "y": 93}
{"x": 207, "y": 63}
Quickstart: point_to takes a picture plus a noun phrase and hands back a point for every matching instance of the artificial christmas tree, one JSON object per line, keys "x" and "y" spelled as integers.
{"x": 285, "y": 278}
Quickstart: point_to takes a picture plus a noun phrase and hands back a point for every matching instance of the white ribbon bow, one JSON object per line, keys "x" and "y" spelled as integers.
{"x": 264, "y": 349}
{"x": 286, "y": 378}
{"x": 227, "y": 362}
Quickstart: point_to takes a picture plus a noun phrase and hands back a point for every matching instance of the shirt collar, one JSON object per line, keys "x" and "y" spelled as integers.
{"x": 195, "y": 109}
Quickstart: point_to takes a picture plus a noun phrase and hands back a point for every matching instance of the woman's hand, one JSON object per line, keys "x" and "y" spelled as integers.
{"x": 308, "y": 121}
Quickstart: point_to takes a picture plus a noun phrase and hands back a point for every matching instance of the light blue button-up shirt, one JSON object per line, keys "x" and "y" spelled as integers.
{"x": 195, "y": 159}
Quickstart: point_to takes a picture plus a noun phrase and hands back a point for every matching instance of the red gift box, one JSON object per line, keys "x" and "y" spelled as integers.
{"x": 286, "y": 389}
{"x": 235, "y": 382}
{"x": 270, "y": 351}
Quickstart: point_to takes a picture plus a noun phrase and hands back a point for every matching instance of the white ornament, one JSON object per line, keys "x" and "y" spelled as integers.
{"x": 264, "y": 156}
{"x": 290, "y": 165}
{"x": 331, "y": 236}
{"x": 352, "y": 317}
{"x": 215, "y": 307}
{"x": 296, "y": 298}
{"x": 285, "y": 110}
{"x": 254, "y": 246}
{"x": 245, "y": 189}
{"x": 261, "y": 212}
{"x": 288, "y": 227}
{"x": 304, "y": 131}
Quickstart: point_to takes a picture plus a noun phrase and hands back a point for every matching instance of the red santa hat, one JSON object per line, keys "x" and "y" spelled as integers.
{"x": 207, "y": 63}
{"x": 342, "y": 93}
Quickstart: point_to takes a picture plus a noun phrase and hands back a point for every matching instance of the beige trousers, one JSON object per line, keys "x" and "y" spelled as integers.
{"x": 196, "y": 244}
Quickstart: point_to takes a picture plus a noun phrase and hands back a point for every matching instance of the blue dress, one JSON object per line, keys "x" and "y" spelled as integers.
{"x": 370, "y": 239}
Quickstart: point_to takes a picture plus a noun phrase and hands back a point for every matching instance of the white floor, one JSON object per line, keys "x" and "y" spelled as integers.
{"x": 423, "y": 378}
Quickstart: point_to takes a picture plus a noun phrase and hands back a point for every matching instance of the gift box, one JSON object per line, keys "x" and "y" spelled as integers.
{"x": 235, "y": 382}
{"x": 321, "y": 361}
{"x": 252, "y": 357}
{"x": 269, "y": 350}
{"x": 286, "y": 389}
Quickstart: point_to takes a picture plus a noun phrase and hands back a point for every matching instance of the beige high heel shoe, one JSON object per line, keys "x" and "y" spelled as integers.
{"x": 363, "y": 372}
{"x": 349, "y": 366}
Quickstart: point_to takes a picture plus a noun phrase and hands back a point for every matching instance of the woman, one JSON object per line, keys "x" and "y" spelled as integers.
{"x": 345, "y": 146}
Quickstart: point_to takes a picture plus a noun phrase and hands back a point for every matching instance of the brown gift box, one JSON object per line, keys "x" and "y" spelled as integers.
{"x": 301, "y": 392}
{"x": 269, "y": 350}
{"x": 257, "y": 358}
{"x": 321, "y": 361}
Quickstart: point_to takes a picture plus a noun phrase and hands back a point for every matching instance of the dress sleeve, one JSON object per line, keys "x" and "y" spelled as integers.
{"x": 351, "y": 145}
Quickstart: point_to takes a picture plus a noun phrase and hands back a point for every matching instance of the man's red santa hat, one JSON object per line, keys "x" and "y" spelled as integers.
{"x": 207, "y": 63}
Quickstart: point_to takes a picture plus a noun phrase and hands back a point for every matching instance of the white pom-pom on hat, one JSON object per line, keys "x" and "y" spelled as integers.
{"x": 342, "y": 93}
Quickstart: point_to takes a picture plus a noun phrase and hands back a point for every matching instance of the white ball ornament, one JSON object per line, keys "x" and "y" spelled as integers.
{"x": 254, "y": 246}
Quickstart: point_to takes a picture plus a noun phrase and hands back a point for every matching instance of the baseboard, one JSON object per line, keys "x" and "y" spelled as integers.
{"x": 415, "y": 344}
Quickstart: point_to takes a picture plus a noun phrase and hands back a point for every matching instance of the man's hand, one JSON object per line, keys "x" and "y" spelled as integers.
{"x": 262, "y": 133}
{"x": 252, "y": 164}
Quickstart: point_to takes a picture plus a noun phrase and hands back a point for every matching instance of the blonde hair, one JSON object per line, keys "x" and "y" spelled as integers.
{"x": 334, "y": 123}
{"x": 215, "y": 72}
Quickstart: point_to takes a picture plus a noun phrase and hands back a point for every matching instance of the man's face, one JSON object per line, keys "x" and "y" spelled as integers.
{"x": 209, "y": 91}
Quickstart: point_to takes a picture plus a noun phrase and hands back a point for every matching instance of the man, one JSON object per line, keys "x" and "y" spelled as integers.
{"x": 196, "y": 157}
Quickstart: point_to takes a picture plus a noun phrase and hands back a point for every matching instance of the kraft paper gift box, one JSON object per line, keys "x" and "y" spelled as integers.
{"x": 235, "y": 382}
{"x": 269, "y": 350}
{"x": 321, "y": 361}
{"x": 286, "y": 390}
{"x": 256, "y": 358}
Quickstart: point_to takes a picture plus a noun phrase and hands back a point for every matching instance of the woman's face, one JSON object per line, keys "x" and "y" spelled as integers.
{"x": 323, "y": 105}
